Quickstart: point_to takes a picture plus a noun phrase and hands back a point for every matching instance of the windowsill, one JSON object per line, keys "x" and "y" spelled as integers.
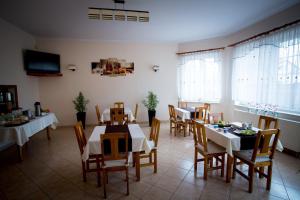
{"x": 285, "y": 116}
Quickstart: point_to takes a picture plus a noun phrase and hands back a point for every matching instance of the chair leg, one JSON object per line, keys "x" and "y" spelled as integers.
{"x": 205, "y": 167}
{"x": 250, "y": 175}
{"x": 234, "y": 168}
{"x": 98, "y": 172}
{"x": 261, "y": 171}
{"x": 150, "y": 157}
{"x": 223, "y": 165}
{"x": 170, "y": 127}
{"x": 269, "y": 179}
{"x": 195, "y": 159}
{"x": 104, "y": 183}
{"x": 83, "y": 171}
{"x": 155, "y": 160}
{"x": 127, "y": 180}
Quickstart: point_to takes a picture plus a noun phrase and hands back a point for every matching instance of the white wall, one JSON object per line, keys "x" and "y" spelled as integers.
{"x": 57, "y": 93}
{"x": 12, "y": 42}
{"x": 290, "y": 131}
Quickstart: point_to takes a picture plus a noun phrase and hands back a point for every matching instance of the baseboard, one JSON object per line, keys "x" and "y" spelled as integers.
{"x": 291, "y": 152}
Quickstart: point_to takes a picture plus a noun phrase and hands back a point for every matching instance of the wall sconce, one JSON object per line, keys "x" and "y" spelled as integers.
{"x": 155, "y": 68}
{"x": 72, "y": 67}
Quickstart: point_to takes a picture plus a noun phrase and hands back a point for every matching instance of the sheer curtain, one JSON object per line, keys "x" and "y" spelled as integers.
{"x": 199, "y": 76}
{"x": 266, "y": 71}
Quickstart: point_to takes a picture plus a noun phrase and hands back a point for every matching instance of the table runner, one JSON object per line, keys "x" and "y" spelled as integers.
{"x": 118, "y": 129}
{"x": 247, "y": 141}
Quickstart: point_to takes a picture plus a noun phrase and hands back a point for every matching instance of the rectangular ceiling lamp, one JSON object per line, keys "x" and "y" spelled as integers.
{"x": 120, "y": 15}
{"x": 144, "y": 17}
{"x": 107, "y": 14}
{"x": 93, "y": 14}
{"x": 132, "y": 16}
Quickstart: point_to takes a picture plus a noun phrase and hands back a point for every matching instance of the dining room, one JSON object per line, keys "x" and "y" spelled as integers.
{"x": 150, "y": 99}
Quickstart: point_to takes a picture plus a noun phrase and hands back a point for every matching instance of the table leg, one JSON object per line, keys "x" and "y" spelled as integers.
{"x": 20, "y": 152}
{"x": 229, "y": 168}
{"x": 48, "y": 133}
{"x": 137, "y": 166}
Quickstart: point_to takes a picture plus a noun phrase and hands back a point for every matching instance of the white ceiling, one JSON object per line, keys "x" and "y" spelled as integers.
{"x": 170, "y": 20}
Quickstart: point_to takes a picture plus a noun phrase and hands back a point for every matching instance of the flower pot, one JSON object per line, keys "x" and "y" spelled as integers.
{"x": 151, "y": 114}
{"x": 81, "y": 117}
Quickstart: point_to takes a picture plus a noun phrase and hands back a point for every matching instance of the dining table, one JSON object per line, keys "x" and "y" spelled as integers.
{"x": 105, "y": 116}
{"x": 137, "y": 142}
{"x": 232, "y": 141}
{"x": 20, "y": 134}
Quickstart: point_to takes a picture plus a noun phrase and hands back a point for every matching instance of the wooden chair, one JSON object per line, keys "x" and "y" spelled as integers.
{"x": 153, "y": 141}
{"x": 199, "y": 116}
{"x": 182, "y": 104}
{"x": 214, "y": 118}
{"x": 98, "y": 115}
{"x": 119, "y": 105}
{"x": 115, "y": 160}
{"x": 267, "y": 121}
{"x": 261, "y": 156}
{"x": 208, "y": 150}
{"x": 94, "y": 158}
{"x": 135, "y": 113}
{"x": 117, "y": 116}
{"x": 176, "y": 123}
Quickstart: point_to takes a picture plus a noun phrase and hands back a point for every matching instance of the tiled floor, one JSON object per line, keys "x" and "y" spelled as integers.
{"x": 52, "y": 170}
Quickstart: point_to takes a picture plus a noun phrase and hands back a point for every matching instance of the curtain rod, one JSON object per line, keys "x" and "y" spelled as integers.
{"x": 181, "y": 53}
{"x": 265, "y": 33}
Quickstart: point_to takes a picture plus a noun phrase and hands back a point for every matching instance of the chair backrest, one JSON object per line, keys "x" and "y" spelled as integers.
{"x": 172, "y": 112}
{"x": 154, "y": 132}
{"x": 136, "y": 110}
{"x": 113, "y": 139}
{"x": 182, "y": 104}
{"x": 98, "y": 113}
{"x": 200, "y": 113}
{"x": 214, "y": 118}
{"x": 119, "y": 105}
{"x": 207, "y": 106}
{"x": 80, "y": 135}
{"x": 200, "y": 135}
{"x": 267, "y": 122}
{"x": 265, "y": 144}
{"x": 119, "y": 119}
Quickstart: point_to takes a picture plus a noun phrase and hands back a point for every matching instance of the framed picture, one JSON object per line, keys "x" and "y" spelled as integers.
{"x": 112, "y": 67}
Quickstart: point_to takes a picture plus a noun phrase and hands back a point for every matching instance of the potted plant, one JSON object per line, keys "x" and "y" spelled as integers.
{"x": 151, "y": 102}
{"x": 80, "y": 103}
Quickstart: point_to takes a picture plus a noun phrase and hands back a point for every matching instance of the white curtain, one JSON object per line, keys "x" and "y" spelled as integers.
{"x": 199, "y": 76}
{"x": 266, "y": 71}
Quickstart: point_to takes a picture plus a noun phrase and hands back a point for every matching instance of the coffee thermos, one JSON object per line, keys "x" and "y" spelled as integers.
{"x": 37, "y": 107}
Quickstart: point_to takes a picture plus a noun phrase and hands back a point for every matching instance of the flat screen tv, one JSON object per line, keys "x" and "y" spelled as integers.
{"x": 41, "y": 63}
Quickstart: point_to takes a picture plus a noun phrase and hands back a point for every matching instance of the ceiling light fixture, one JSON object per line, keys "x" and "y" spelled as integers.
{"x": 118, "y": 14}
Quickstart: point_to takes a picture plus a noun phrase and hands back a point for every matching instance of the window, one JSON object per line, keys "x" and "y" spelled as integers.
{"x": 199, "y": 77}
{"x": 266, "y": 72}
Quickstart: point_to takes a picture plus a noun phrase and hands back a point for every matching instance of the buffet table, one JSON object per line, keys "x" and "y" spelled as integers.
{"x": 21, "y": 134}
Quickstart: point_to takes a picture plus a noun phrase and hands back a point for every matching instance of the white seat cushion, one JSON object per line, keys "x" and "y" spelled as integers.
{"x": 211, "y": 148}
{"x": 115, "y": 163}
{"x": 247, "y": 155}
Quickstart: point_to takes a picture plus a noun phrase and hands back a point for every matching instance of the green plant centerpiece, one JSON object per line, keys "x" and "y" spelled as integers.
{"x": 151, "y": 102}
{"x": 80, "y": 103}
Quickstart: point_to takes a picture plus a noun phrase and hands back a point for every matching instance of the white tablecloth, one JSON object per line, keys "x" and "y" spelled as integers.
{"x": 21, "y": 134}
{"x": 228, "y": 140}
{"x": 139, "y": 141}
{"x": 183, "y": 114}
{"x": 106, "y": 114}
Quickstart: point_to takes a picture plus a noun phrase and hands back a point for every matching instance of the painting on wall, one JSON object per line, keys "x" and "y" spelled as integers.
{"x": 112, "y": 67}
